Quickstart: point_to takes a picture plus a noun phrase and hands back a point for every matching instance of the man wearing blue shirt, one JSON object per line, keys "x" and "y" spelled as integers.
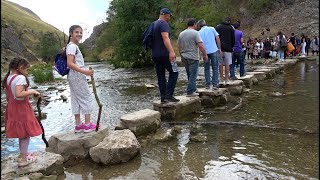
{"x": 162, "y": 55}
{"x": 211, "y": 42}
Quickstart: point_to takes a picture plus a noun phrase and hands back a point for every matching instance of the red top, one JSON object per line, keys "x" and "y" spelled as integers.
{"x": 20, "y": 120}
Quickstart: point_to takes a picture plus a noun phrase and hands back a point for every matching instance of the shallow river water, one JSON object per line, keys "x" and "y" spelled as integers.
{"x": 229, "y": 152}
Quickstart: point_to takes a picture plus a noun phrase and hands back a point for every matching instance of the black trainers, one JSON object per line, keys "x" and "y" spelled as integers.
{"x": 173, "y": 99}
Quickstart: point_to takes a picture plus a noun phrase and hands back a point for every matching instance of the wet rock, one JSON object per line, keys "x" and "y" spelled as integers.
{"x": 163, "y": 135}
{"x": 51, "y": 88}
{"x": 150, "y": 86}
{"x": 247, "y": 79}
{"x": 277, "y": 94}
{"x": 63, "y": 97}
{"x": 75, "y": 145}
{"x": 178, "y": 128}
{"x": 196, "y": 128}
{"x": 270, "y": 73}
{"x": 141, "y": 122}
{"x": 234, "y": 87}
{"x": 259, "y": 75}
{"x": 199, "y": 138}
{"x": 255, "y": 81}
{"x": 117, "y": 147}
{"x": 47, "y": 164}
{"x": 213, "y": 98}
{"x": 175, "y": 110}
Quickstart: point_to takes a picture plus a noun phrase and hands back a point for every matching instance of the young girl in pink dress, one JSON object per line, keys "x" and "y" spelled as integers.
{"x": 20, "y": 120}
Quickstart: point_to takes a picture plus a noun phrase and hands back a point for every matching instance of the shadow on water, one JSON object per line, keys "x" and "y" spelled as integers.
{"x": 211, "y": 152}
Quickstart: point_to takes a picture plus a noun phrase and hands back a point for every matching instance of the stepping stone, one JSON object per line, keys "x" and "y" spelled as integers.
{"x": 248, "y": 79}
{"x": 269, "y": 72}
{"x": 234, "y": 87}
{"x": 117, "y": 147}
{"x": 71, "y": 145}
{"x": 47, "y": 163}
{"x": 141, "y": 122}
{"x": 214, "y": 98}
{"x": 175, "y": 110}
{"x": 259, "y": 75}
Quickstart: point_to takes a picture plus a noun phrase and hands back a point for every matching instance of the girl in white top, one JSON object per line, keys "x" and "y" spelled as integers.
{"x": 81, "y": 97}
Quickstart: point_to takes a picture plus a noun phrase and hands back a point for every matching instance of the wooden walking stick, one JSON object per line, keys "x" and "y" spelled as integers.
{"x": 39, "y": 120}
{"x": 97, "y": 98}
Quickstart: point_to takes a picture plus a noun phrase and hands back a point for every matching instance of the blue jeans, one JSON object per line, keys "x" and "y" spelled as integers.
{"x": 280, "y": 54}
{"x": 192, "y": 67}
{"x": 214, "y": 62}
{"x": 237, "y": 56}
{"x": 166, "y": 88}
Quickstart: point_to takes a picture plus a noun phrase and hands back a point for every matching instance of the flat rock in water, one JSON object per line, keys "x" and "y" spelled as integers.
{"x": 71, "y": 144}
{"x": 47, "y": 163}
{"x": 117, "y": 147}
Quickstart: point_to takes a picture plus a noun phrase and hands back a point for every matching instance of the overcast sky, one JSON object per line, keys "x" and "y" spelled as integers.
{"x": 64, "y": 13}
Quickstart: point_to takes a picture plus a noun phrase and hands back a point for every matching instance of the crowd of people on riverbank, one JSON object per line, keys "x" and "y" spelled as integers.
{"x": 267, "y": 48}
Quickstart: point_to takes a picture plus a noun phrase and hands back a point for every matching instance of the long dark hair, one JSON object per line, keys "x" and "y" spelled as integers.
{"x": 71, "y": 29}
{"x": 14, "y": 64}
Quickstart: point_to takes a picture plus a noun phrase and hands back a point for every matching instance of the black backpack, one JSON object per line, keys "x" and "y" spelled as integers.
{"x": 148, "y": 36}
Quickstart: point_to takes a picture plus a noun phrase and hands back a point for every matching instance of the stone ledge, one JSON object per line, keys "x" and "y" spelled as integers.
{"x": 141, "y": 122}
{"x": 175, "y": 110}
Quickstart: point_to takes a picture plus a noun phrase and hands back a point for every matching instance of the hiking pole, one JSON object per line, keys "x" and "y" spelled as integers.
{"x": 97, "y": 99}
{"x": 39, "y": 120}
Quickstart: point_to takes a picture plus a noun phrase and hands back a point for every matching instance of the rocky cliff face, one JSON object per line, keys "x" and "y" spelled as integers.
{"x": 11, "y": 42}
{"x": 89, "y": 43}
{"x": 288, "y": 16}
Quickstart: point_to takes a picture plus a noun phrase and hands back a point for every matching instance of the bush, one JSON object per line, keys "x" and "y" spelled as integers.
{"x": 42, "y": 73}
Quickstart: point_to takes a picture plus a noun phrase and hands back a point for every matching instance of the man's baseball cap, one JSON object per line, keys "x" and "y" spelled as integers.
{"x": 165, "y": 11}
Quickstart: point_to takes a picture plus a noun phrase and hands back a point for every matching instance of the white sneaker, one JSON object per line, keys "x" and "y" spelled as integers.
{"x": 193, "y": 95}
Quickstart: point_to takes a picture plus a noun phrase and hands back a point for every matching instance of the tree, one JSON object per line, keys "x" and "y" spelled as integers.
{"x": 48, "y": 46}
{"x": 130, "y": 18}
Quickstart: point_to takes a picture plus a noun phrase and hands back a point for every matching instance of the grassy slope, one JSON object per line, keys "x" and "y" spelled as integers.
{"x": 20, "y": 19}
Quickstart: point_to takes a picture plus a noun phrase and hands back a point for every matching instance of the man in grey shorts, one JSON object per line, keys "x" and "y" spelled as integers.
{"x": 227, "y": 39}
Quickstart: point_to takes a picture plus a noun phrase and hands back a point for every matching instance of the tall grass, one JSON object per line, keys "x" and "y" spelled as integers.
{"x": 42, "y": 73}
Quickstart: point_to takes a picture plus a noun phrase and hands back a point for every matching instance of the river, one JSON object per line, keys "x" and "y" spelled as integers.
{"x": 229, "y": 152}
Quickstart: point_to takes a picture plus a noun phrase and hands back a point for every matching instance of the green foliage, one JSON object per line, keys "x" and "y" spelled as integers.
{"x": 48, "y": 46}
{"x": 42, "y": 73}
{"x": 130, "y": 20}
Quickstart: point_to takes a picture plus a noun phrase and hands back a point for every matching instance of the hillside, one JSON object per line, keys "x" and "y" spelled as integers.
{"x": 20, "y": 29}
{"x": 288, "y": 16}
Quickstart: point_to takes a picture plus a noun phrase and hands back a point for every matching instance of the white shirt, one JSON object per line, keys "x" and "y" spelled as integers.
{"x": 18, "y": 80}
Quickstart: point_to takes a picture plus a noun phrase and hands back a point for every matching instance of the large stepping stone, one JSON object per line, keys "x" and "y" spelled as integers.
{"x": 269, "y": 72}
{"x": 117, "y": 147}
{"x": 47, "y": 164}
{"x": 234, "y": 87}
{"x": 141, "y": 122}
{"x": 259, "y": 75}
{"x": 213, "y": 98}
{"x": 71, "y": 145}
{"x": 176, "y": 110}
{"x": 277, "y": 69}
{"x": 248, "y": 79}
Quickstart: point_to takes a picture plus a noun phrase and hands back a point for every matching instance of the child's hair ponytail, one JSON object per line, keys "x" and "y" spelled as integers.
{"x": 14, "y": 64}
